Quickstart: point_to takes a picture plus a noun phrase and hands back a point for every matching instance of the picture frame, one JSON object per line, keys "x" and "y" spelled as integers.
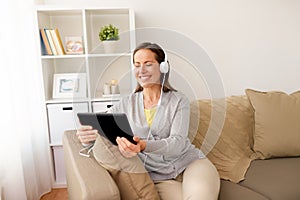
{"x": 74, "y": 45}
{"x": 69, "y": 85}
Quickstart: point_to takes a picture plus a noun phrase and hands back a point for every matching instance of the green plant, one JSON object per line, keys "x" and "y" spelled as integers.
{"x": 109, "y": 32}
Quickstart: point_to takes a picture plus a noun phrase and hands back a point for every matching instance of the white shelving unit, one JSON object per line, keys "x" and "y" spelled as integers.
{"x": 98, "y": 66}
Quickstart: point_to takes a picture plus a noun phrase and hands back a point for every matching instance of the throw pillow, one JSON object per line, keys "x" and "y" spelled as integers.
{"x": 232, "y": 153}
{"x": 129, "y": 174}
{"x": 277, "y": 127}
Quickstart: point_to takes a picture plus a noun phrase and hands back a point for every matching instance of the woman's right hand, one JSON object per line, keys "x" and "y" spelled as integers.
{"x": 86, "y": 134}
{"x": 129, "y": 149}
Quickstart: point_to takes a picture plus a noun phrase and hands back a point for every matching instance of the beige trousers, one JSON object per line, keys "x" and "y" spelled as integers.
{"x": 199, "y": 181}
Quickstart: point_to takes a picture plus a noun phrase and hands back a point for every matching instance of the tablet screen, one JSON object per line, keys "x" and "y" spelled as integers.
{"x": 109, "y": 125}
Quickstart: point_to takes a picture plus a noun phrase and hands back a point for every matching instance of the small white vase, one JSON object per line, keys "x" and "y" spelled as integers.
{"x": 109, "y": 46}
{"x": 106, "y": 89}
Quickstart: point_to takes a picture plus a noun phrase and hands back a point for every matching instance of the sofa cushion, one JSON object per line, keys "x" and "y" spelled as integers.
{"x": 277, "y": 127}
{"x": 231, "y": 152}
{"x": 233, "y": 191}
{"x": 277, "y": 178}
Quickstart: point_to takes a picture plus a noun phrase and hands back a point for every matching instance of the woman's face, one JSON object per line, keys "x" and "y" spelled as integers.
{"x": 146, "y": 69}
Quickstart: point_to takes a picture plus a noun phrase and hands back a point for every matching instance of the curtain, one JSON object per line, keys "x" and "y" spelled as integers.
{"x": 25, "y": 171}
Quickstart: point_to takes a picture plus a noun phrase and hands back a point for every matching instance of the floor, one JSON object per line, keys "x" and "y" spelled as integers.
{"x": 56, "y": 194}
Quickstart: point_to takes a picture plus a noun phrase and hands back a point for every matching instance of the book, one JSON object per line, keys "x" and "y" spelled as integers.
{"x": 55, "y": 37}
{"x": 74, "y": 45}
{"x": 45, "y": 46}
{"x": 50, "y": 39}
{"x": 60, "y": 41}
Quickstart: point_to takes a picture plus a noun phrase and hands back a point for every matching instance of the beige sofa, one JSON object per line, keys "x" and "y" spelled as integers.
{"x": 252, "y": 166}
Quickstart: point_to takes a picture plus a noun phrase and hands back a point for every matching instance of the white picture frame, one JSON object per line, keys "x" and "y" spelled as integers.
{"x": 69, "y": 85}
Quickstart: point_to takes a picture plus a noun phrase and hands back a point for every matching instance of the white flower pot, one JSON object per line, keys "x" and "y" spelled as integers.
{"x": 109, "y": 46}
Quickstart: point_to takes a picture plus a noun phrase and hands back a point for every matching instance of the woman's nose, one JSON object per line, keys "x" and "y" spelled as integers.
{"x": 142, "y": 68}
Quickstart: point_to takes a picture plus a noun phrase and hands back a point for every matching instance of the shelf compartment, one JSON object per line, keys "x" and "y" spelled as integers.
{"x": 59, "y": 165}
{"x": 68, "y": 22}
{"x": 95, "y": 19}
{"x": 53, "y": 66}
{"x": 103, "y": 69}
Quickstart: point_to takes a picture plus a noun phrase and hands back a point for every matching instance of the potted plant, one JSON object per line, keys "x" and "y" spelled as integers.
{"x": 108, "y": 35}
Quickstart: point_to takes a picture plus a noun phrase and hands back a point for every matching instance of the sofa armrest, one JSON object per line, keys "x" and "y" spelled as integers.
{"x": 86, "y": 179}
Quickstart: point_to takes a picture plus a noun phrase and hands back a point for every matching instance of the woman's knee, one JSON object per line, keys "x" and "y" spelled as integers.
{"x": 201, "y": 179}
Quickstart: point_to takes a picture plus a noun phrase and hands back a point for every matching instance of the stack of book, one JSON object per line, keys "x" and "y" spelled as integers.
{"x": 51, "y": 43}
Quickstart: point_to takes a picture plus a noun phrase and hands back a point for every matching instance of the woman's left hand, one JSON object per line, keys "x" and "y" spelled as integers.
{"x": 129, "y": 149}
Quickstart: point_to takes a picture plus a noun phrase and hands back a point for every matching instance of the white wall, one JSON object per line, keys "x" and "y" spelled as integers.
{"x": 253, "y": 43}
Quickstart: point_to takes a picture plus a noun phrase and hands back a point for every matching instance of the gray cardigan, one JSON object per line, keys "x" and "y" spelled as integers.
{"x": 168, "y": 151}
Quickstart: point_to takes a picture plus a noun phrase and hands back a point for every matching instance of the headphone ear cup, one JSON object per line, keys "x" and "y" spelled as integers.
{"x": 164, "y": 68}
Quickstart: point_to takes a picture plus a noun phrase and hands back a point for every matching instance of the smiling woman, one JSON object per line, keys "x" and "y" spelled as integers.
{"x": 162, "y": 155}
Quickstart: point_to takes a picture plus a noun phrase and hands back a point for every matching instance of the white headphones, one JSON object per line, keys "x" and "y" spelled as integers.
{"x": 164, "y": 66}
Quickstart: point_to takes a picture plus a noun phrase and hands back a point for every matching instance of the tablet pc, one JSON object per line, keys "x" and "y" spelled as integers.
{"x": 109, "y": 125}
